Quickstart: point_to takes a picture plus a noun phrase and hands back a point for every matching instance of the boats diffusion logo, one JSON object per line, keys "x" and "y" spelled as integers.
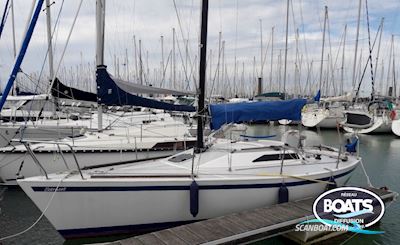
{"x": 345, "y": 209}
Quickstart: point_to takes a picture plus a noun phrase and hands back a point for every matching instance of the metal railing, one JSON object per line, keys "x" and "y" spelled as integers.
{"x": 27, "y": 143}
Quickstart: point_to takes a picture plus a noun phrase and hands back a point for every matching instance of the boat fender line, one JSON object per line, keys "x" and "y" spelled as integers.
{"x": 332, "y": 184}
{"x": 365, "y": 173}
{"x": 194, "y": 198}
{"x": 283, "y": 193}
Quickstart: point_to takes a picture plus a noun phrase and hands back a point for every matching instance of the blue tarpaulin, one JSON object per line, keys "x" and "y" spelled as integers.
{"x": 255, "y": 111}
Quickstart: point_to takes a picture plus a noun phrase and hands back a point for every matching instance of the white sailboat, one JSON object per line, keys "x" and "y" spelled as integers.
{"x": 113, "y": 146}
{"x": 329, "y": 113}
{"x": 215, "y": 178}
{"x": 395, "y": 123}
{"x": 376, "y": 119}
{"x": 157, "y": 194}
{"x": 127, "y": 137}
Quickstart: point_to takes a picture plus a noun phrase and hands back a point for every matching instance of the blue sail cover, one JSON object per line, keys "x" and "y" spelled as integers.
{"x": 317, "y": 97}
{"x": 255, "y": 111}
{"x": 110, "y": 94}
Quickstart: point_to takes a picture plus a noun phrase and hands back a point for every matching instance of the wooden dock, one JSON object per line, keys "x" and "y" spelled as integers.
{"x": 244, "y": 227}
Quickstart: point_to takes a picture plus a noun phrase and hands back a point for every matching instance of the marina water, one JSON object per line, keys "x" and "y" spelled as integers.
{"x": 381, "y": 158}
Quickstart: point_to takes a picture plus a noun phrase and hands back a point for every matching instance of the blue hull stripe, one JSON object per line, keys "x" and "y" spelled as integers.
{"x": 177, "y": 187}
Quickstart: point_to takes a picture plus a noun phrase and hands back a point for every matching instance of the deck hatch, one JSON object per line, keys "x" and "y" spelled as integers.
{"x": 274, "y": 157}
{"x": 180, "y": 158}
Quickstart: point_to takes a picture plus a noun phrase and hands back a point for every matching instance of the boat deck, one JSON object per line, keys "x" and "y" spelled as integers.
{"x": 243, "y": 227}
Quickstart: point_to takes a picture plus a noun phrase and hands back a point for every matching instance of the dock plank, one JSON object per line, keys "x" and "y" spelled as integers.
{"x": 238, "y": 222}
{"x": 304, "y": 205}
{"x": 217, "y": 227}
{"x": 188, "y": 236}
{"x": 150, "y": 239}
{"x": 130, "y": 241}
{"x": 235, "y": 228}
{"x": 241, "y": 227}
{"x": 169, "y": 238}
{"x": 203, "y": 231}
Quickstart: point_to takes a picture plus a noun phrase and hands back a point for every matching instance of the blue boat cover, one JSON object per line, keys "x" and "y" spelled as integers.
{"x": 255, "y": 111}
{"x": 110, "y": 94}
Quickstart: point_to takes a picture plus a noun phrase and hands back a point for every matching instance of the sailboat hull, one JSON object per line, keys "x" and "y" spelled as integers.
{"x": 379, "y": 126}
{"x": 99, "y": 207}
{"x": 322, "y": 119}
{"x": 396, "y": 127}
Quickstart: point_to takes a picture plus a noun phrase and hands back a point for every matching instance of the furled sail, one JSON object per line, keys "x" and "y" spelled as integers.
{"x": 113, "y": 92}
{"x": 255, "y": 111}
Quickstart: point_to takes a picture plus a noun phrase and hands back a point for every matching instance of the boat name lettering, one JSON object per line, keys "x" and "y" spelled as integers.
{"x": 53, "y": 189}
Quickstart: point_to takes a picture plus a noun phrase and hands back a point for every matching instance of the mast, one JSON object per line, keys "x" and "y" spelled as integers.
{"x": 162, "y": 61}
{"x": 323, "y": 49}
{"x": 343, "y": 53}
{"x": 173, "y": 59}
{"x": 357, "y": 35}
{"x": 14, "y": 41}
{"x": 272, "y": 59}
{"x": 202, "y": 75}
{"x": 50, "y": 54}
{"x": 100, "y": 23}
{"x": 49, "y": 41}
{"x": 126, "y": 65}
{"x": 379, "y": 48}
{"x": 370, "y": 54}
{"x": 394, "y": 71}
{"x": 286, "y": 48}
{"x": 261, "y": 51}
{"x": 136, "y": 60}
{"x": 140, "y": 63}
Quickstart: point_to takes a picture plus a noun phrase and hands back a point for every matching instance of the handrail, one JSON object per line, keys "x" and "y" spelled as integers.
{"x": 30, "y": 151}
{"x": 35, "y": 158}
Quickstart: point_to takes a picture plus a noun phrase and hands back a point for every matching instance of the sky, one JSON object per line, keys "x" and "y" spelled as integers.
{"x": 231, "y": 71}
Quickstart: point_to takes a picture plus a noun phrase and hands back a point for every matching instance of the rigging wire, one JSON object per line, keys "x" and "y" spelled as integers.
{"x": 180, "y": 52}
{"x": 5, "y": 15}
{"x": 42, "y": 68}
